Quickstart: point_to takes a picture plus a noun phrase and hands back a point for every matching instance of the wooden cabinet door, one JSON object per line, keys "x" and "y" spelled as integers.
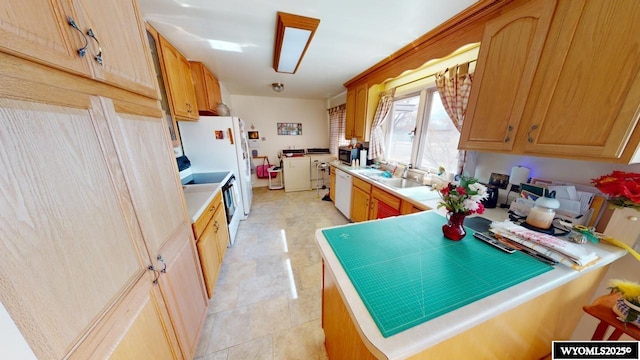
{"x": 508, "y": 58}
{"x": 138, "y": 328}
{"x": 180, "y": 89}
{"x": 144, "y": 150}
{"x": 589, "y": 81}
{"x": 356, "y": 108}
{"x": 332, "y": 184}
{"x": 359, "y": 204}
{"x": 207, "y": 245}
{"x": 360, "y": 123}
{"x": 149, "y": 164}
{"x": 222, "y": 231}
{"x": 39, "y": 31}
{"x": 146, "y": 337}
{"x": 70, "y": 240}
{"x": 350, "y": 123}
{"x": 207, "y": 89}
{"x": 183, "y": 288}
{"x": 120, "y": 40}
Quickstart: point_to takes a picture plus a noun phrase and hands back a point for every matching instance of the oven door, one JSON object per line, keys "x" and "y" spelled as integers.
{"x": 230, "y": 201}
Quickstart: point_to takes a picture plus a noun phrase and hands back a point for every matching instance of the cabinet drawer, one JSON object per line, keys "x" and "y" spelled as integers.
{"x": 361, "y": 184}
{"x": 207, "y": 214}
{"x": 386, "y": 198}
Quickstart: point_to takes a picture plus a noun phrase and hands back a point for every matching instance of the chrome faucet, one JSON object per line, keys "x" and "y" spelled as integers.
{"x": 405, "y": 172}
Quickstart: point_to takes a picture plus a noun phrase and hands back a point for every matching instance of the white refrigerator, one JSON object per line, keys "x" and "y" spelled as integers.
{"x": 219, "y": 143}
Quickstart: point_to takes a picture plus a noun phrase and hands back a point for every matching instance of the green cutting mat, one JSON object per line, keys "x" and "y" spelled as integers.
{"x": 407, "y": 273}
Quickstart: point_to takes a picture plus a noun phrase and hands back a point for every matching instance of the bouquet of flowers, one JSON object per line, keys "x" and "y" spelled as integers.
{"x": 462, "y": 196}
{"x": 623, "y": 189}
{"x": 630, "y": 291}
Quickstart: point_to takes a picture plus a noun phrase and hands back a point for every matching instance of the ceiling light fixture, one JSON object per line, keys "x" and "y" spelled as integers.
{"x": 277, "y": 87}
{"x": 293, "y": 35}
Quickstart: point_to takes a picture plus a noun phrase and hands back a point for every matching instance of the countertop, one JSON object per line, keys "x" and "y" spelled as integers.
{"x": 423, "y": 336}
{"x": 198, "y": 196}
{"x": 421, "y": 196}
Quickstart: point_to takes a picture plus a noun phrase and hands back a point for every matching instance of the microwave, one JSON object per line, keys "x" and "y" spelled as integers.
{"x": 346, "y": 154}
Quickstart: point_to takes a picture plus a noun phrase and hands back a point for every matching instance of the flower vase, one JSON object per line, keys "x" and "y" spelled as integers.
{"x": 622, "y": 309}
{"x": 454, "y": 229}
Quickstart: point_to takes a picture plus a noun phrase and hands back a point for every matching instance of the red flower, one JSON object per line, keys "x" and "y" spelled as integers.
{"x": 623, "y": 188}
{"x": 461, "y": 191}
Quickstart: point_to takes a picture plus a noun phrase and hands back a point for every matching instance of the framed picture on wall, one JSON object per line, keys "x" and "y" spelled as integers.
{"x": 289, "y": 128}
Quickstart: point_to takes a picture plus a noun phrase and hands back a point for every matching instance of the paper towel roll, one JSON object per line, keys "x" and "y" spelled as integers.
{"x": 519, "y": 174}
{"x": 363, "y": 157}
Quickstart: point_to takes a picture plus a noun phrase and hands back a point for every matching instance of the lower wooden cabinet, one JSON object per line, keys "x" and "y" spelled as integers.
{"x": 183, "y": 289}
{"x": 332, "y": 184}
{"x": 212, "y": 238}
{"x": 383, "y": 204}
{"x": 360, "y": 200}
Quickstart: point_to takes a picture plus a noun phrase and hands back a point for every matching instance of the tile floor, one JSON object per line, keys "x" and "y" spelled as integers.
{"x": 267, "y": 301}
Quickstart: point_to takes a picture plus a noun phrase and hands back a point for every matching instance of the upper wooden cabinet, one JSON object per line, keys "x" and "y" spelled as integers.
{"x": 585, "y": 99}
{"x": 207, "y": 88}
{"x": 180, "y": 89}
{"x": 357, "y": 104}
{"x": 113, "y": 48}
{"x": 508, "y": 58}
{"x": 569, "y": 87}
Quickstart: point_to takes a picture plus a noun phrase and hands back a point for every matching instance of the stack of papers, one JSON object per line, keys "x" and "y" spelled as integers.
{"x": 562, "y": 251}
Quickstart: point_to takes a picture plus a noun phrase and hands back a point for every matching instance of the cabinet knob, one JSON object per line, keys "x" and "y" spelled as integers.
{"x": 83, "y": 50}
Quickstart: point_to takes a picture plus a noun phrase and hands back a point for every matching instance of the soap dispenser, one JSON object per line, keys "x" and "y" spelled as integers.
{"x": 542, "y": 214}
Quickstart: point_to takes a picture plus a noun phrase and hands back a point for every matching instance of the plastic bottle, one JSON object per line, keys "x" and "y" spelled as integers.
{"x": 353, "y": 163}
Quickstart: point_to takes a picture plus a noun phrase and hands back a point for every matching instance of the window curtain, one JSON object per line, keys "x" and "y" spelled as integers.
{"x": 337, "y": 123}
{"x": 454, "y": 86}
{"x": 376, "y": 143}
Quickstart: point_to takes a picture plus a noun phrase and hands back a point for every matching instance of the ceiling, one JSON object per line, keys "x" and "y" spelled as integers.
{"x": 235, "y": 39}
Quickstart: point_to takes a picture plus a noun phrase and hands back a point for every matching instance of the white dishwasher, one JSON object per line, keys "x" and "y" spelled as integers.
{"x": 343, "y": 193}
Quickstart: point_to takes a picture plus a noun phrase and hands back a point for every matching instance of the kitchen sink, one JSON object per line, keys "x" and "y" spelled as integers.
{"x": 398, "y": 183}
{"x": 368, "y": 172}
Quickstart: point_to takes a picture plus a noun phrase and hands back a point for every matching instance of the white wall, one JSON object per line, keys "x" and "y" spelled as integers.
{"x": 571, "y": 171}
{"x": 263, "y": 113}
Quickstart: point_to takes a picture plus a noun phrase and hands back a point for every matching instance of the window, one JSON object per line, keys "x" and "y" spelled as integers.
{"x": 401, "y": 130}
{"x": 421, "y": 133}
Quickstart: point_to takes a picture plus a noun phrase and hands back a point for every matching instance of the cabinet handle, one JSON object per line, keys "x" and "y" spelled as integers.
{"x": 189, "y": 109}
{"x": 215, "y": 223}
{"x": 529, "y": 138}
{"x": 212, "y": 208}
{"x": 155, "y": 273}
{"x": 509, "y": 128}
{"x": 83, "y": 50}
{"x": 99, "y": 56}
{"x": 164, "y": 269}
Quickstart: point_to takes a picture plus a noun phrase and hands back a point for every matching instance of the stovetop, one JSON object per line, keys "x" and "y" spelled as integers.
{"x": 318, "y": 151}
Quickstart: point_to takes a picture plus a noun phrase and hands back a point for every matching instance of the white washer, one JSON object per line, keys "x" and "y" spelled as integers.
{"x": 297, "y": 173}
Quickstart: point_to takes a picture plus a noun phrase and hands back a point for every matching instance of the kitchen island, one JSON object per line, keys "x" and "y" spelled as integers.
{"x": 519, "y": 320}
